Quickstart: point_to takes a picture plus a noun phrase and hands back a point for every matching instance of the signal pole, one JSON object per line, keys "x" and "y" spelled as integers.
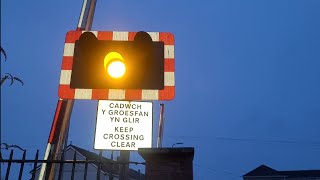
{"x": 60, "y": 126}
{"x": 161, "y": 127}
{"x": 124, "y": 165}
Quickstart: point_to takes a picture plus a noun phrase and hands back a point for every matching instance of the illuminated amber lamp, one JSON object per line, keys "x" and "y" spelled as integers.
{"x": 114, "y": 65}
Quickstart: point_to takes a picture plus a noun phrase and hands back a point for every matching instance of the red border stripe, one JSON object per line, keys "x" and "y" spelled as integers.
{"x": 72, "y": 36}
{"x": 133, "y": 94}
{"x": 105, "y": 35}
{"x": 67, "y": 63}
{"x": 169, "y": 65}
{"x": 167, "y": 38}
{"x": 65, "y": 92}
{"x": 100, "y": 93}
{"x": 167, "y": 93}
{"x": 131, "y": 35}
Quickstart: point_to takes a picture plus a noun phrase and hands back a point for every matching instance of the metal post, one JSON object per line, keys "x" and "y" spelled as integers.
{"x": 99, "y": 165}
{"x": 161, "y": 126}
{"x": 53, "y": 137}
{"x": 53, "y": 151}
{"x": 90, "y": 15}
{"x": 124, "y": 165}
{"x": 22, "y": 164}
{"x": 57, "y": 151}
{"x": 111, "y": 172}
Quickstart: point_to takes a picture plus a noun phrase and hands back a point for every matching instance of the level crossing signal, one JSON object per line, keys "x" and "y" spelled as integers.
{"x": 118, "y": 66}
{"x": 105, "y": 64}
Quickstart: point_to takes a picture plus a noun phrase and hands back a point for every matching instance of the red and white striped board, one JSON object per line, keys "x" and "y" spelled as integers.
{"x": 168, "y": 93}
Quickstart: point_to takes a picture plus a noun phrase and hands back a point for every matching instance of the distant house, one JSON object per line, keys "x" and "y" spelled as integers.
{"x": 108, "y": 171}
{"x": 264, "y": 172}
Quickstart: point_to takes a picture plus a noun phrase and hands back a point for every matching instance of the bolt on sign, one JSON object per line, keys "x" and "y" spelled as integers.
{"x": 123, "y": 125}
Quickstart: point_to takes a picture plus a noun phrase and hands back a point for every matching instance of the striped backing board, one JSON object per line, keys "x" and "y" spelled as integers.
{"x": 168, "y": 93}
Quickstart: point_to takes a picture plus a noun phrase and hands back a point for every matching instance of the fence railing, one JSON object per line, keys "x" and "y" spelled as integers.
{"x": 36, "y": 164}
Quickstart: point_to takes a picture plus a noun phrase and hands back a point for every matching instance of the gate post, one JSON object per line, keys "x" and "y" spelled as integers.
{"x": 168, "y": 163}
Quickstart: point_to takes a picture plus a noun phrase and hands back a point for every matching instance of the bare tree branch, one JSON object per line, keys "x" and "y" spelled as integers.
{"x": 12, "y": 79}
{"x": 4, "y": 53}
{"x": 17, "y": 79}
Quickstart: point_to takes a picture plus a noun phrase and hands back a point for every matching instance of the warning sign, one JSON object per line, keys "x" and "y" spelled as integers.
{"x": 123, "y": 125}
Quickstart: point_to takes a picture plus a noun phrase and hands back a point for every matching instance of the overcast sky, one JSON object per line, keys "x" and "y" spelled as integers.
{"x": 247, "y": 78}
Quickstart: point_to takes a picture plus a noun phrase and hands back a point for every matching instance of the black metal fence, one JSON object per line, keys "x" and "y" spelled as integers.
{"x": 11, "y": 173}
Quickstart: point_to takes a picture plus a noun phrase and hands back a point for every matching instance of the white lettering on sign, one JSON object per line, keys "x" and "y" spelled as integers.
{"x": 123, "y": 125}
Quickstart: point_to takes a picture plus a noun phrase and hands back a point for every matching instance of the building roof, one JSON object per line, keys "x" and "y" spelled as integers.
{"x": 265, "y": 171}
{"x": 262, "y": 170}
{"x": 107, "y": 168}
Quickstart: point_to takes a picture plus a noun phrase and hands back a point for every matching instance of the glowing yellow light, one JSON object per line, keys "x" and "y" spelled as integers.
{"x": 116, "y": 69}
{"x": 114, "y": 65}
